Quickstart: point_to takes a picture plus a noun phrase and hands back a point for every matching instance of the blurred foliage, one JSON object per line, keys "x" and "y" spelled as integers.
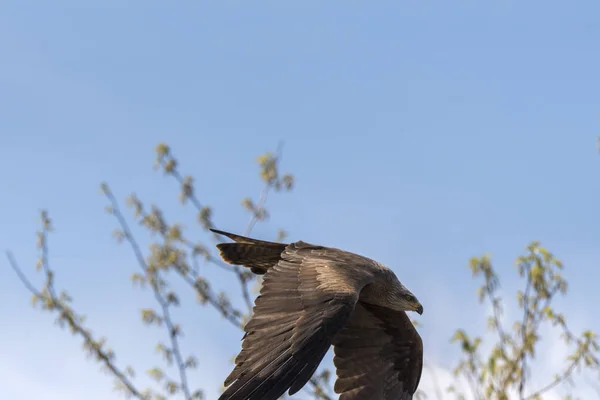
{"x": 502, "y": 373}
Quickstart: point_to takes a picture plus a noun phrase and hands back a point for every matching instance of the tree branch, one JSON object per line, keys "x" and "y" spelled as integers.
{"x": 52, "y": 302}
{"x": 155, "y": 283}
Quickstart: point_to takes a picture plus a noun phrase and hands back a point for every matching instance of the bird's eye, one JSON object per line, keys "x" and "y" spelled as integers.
{"x": 410, "y": 297}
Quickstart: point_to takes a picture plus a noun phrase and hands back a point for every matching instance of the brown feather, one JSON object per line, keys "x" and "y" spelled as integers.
{"x": 258, "y": 255}
{"x": 378, "y": 355}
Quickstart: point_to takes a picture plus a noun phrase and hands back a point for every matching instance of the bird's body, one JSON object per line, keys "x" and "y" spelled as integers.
{"x": 313, "y": 297}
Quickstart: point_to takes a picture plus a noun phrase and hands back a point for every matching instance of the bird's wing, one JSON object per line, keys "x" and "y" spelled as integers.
{"x": 244, "y": 239}
{"x": 305, "y": 299}
{"x": 255, "y": 254}
{"x": 378, "y": 355}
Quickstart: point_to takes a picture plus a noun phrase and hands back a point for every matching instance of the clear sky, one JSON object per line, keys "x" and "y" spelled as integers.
{"x": 420, "y": 134}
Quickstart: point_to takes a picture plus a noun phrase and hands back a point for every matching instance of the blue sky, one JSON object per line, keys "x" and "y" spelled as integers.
{"x": 419, "y": 134}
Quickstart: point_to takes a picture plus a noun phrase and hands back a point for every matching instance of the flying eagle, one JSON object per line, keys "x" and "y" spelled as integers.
{"x": 313, "y": 297}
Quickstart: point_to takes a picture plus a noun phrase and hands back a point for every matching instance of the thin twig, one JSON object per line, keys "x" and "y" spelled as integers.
{"x": 198, "y": 205}
{"x": 191, "y": 276}
{"x": 265, "y": 192}
{"x": 157, "y": 294}
{"x": 569, "y": 371}
{"x": 318, "y": 391}
{"x": 245, "y": 292}
{"x": 21, "y": 275}
{"x": 211, "y": 300}
{"x": 524, "y": 325}
{"x": 562, "y": 377}
{"x": 77, "y": 329}
{"x": 253, "y": 220}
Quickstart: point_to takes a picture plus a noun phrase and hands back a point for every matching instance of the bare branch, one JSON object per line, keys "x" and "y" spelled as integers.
{"x": 28, "y": 285}
{"x": 265, "y": 193}
{"x": 157, "y": 223}
{"x": 66, "y": 314}
{"x": 156, "y": 288}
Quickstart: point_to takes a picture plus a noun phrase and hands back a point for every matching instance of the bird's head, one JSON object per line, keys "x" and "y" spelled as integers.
{"x": 403, "y": 299}
{"x": 389, "y": 292}
{"x": 408, "y": 302}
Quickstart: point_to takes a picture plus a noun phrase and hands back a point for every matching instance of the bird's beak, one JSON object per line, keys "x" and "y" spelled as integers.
{"x": 419, "y": 309}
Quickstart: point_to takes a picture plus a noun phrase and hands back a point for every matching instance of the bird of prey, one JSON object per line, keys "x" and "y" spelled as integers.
{"x": 313, "y": 297}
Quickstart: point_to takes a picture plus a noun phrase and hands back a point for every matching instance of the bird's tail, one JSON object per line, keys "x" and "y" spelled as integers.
{"x": 258, "y": 255}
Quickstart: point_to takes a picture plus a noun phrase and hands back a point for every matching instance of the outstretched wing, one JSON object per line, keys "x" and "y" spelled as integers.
{"x": 306, "y": 298}
{"x": 378, "y": 355}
